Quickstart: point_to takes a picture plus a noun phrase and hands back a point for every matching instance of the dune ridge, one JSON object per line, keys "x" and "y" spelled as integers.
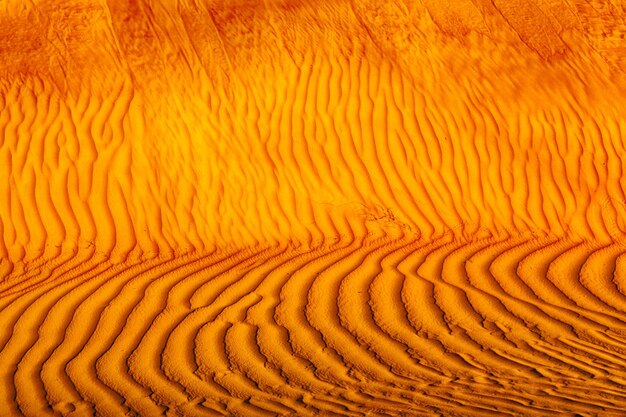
{"x": 342, "y": 208}
{"x": 390, "y": 328}
{"x": 158, "y": 150}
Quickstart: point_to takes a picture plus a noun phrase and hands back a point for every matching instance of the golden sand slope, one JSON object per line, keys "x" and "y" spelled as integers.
{"x": 491, "y": 327}
{"x": 342, "y": 208}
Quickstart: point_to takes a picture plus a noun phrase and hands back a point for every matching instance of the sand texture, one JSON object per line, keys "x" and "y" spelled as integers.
{"x": 257, "y": 208}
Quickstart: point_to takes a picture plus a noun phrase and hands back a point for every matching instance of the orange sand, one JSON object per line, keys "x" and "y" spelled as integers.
{"x": 322, "y": 207}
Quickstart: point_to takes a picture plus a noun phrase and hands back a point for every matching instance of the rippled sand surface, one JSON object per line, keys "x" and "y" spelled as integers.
{"x": 299, "y": 208}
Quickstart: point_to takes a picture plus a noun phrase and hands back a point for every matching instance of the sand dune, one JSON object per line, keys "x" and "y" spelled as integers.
{"x": 341, "y": 208}
{"x": 370, "y": 326}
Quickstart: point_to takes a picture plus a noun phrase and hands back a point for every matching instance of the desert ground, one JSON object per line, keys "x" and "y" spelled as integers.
{"x": 257, "y": 208}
